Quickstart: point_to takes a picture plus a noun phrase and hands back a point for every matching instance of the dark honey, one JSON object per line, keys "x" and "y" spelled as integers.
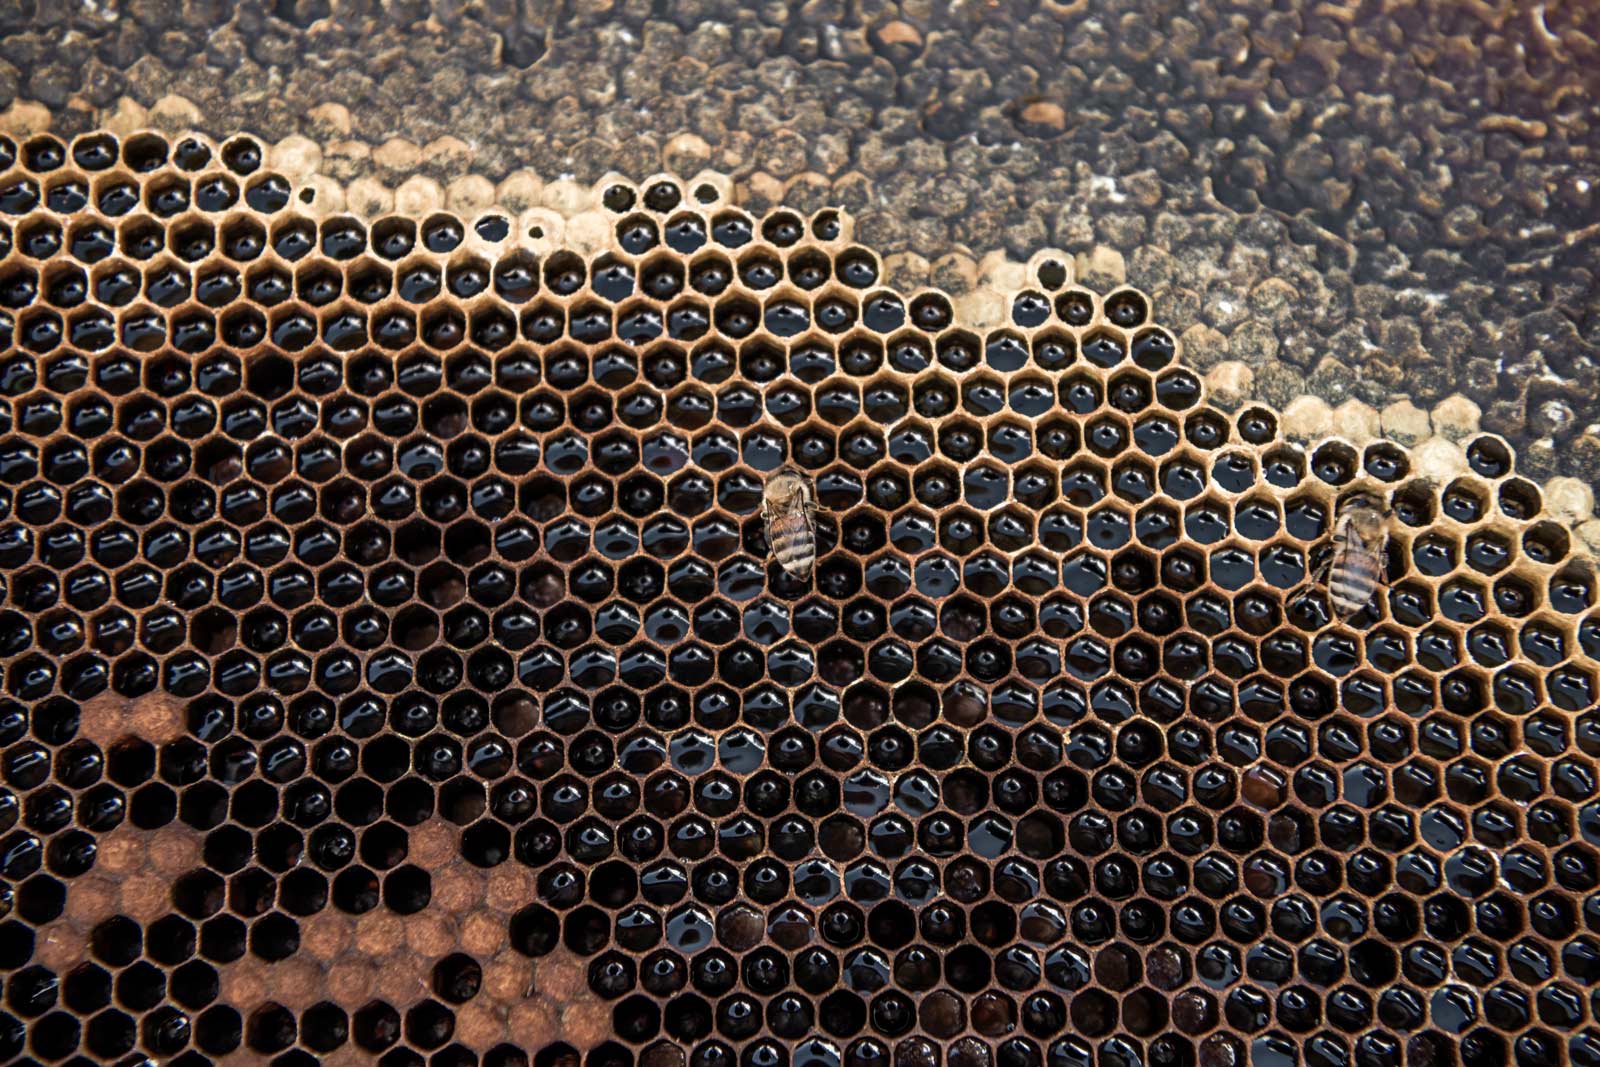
{"x": 383, "y": 603}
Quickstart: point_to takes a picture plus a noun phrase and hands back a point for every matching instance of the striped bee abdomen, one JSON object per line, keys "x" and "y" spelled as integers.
{"x": 793, "y": 543}
{"x": 1353, "y": 578}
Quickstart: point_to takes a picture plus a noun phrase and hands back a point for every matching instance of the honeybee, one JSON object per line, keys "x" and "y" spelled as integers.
{"x": 1356, "y": 566}
{"x": 789, "y": 511}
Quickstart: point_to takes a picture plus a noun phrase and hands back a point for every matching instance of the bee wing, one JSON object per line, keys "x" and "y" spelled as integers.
{"x": 792, "y": 541}
{"x": 788, "y": 524}
{"x": 1376, "y": 543}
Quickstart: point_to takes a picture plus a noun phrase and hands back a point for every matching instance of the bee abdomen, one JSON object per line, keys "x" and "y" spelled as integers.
{"x": 1352, "y": 580}
{"x": 796, "y": 551}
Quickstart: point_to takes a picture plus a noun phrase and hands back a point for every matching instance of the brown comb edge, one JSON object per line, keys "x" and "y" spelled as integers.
{"x": 564, "y": 215}
{"x": 567, "y": 214}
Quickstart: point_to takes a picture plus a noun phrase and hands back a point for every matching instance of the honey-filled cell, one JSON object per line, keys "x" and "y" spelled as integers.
{"x": 387, "y": 604}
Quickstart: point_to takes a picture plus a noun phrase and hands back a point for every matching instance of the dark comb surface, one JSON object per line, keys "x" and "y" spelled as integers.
{"x": 394, "y": 670}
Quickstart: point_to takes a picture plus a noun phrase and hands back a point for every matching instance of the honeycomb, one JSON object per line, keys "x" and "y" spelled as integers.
{"x": 394, "y": 670}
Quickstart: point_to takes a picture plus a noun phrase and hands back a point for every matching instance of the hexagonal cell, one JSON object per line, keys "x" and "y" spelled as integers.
{"x": 1062, "y": 754}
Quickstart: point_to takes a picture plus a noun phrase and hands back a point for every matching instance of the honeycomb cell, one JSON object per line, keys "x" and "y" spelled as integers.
{"x": 404, "y": 576}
